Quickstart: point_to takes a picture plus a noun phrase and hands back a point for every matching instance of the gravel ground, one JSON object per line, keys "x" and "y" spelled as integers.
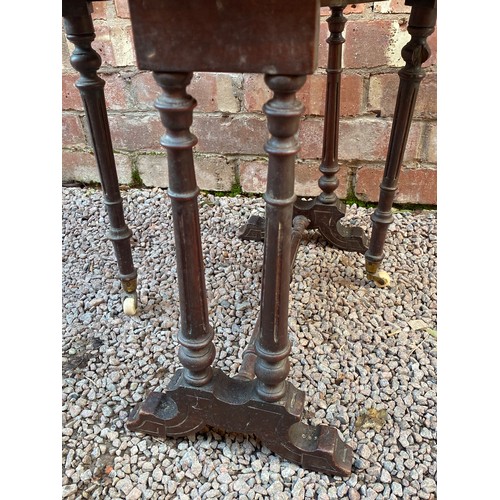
{"x": 357, "y": 352}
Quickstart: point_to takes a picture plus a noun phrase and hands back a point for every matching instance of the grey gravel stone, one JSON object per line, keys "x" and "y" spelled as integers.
{"x": 353, "y": 348}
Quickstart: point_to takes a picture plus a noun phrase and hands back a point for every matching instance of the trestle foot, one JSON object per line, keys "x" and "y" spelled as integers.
{"x": 235, "y": 406}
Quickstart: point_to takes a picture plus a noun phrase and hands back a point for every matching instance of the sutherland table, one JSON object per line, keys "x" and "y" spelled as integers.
{"x": 278, "y": 38}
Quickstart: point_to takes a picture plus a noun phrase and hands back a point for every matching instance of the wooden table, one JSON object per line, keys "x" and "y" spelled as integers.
{"x": 278, "y": 38}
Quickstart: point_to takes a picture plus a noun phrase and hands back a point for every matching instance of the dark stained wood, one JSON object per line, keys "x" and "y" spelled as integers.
{"x": 235, "y": 406}
{"x": 226, "y": 35}
{"x": 197, "y": 350}
{"x": 84, "y": 59}
{"x": 420, "y": 25}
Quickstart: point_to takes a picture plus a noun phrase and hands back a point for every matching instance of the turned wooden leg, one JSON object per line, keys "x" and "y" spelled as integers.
{"x": 421, "y": 24}
{"x": 283, "y": 113}
{"x": 197, "y": 350}
{"x": 80, "y": 31}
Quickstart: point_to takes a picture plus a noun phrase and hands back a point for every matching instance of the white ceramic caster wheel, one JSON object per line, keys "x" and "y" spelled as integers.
{"x": 381, "y": 279}
{"x": 130, "y": 306}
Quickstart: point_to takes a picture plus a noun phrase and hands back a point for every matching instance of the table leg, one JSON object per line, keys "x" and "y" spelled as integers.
{"x": 80, "y": 31}
{"x": 197, "y": 350}
{"x": 198, "y": 395}
{"x": 421, "y": 24}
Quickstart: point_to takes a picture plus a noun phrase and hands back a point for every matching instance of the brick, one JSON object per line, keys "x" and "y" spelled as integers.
{"x": 102, "y": 44}
{"x": 429, "y": 150}
{"x": 359, "y": 139}
{"x": 65, "y": 54}
{"x": 392, "y": 7}
{"x": 114, "y": 91}
{"x": 399, "y": 38}
{"x": 70, "y": 95}
{"x": 123, "y": 48}
{"x": 232, "y": 134}
{"x": 214, "y": 92}
{"x": 144, "y": 90}
{"x": 418, "y": 186}
{"x": 99, "y": 10}
{"x": 253, "y": 176}
{"x": 213, "y": 173}
{"x": 324, "y": 33}
{"x": 122, "y": 9}
{"x": 255, "y": 92}
{"x": 153, "y": 170}
{"x": 367, "y": 43}
{"x": 81, "y": 166}
{"x": 384, "y": 90}
{"x": 72, "y": 130}
{"x": 136, "y": 131}
{"x": 351, "y": 95}
{"x": 354, "y": 8}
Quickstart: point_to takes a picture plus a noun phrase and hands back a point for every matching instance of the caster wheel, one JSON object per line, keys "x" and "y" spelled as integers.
{"x": 381, "y": 279}
{"x": 130, "y": 306}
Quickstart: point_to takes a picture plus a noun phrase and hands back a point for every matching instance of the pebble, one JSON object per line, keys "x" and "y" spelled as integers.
{"x": 354, "y": 347}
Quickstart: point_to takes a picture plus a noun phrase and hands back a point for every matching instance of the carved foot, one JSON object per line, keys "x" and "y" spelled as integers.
{"x": 254, "y": 229}
{"x": 326, "y": 217}
{"x": 234, "y": 406}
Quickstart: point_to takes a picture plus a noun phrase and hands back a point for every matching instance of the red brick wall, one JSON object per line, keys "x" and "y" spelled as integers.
{"x": 230, "y": 124}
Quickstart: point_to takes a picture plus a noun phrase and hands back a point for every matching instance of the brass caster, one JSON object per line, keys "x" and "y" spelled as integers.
{"x": 380, "y": 278}
{"x": 130, "y": 305}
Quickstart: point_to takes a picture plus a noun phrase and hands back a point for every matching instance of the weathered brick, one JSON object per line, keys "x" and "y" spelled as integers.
{"x": 122, "y": 9}
{"x": 123, "y": 48}
{"x": 114, "y": 92}
{"x": 253, "y": 177}
{"x": 72, "y": 130}
{"x": 417, "y": 186}
{"x": 136, "y": 131}
{"x": 213, "y": 173}
{"x": 354, "y": 8}
{"x": 214, "y": 92}
{"x": 255, "y": 92}
{"x": 324, "y": 33}
{"x": 81, "y": 166}
{"x": 392, "y": 7}
{"x": 70, "y": 95}
{"x": 230, "y": 134}
{"x": 102, "y": 44}
{"x": 144, "y": 90}
{"x": 384, "y": 90}
{"x": 99, "y": 10}
{"x": 367, "y": 43}
{"x": 399, "y": 38}
{"x": 429, "y": 154}
{"x": 65, "y": 55}
{"x": 359, "y": 139}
